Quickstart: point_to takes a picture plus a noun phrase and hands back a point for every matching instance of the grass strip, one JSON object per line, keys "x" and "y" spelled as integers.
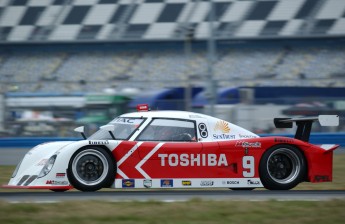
{"x": 194, "y": 211}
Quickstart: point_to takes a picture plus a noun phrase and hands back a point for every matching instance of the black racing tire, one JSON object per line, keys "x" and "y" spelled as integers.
{"x": 91, "y": 168}
{"x": 282, "y": 167}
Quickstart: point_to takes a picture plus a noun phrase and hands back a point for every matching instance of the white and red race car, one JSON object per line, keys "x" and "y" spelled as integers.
{"x": 176, "y": 149}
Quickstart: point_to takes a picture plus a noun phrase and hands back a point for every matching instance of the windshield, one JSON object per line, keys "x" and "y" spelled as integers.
{"x": 123, "y": 129}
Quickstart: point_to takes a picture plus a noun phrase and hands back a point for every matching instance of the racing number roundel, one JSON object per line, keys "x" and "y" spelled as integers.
{"x": 203, "y": 130}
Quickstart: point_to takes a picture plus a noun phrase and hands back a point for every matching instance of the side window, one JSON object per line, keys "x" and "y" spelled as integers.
{"x": 169, "y": 130}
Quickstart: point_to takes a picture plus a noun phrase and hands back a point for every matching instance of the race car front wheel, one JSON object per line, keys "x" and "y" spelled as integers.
{"x": 282, "y": 167}
{"x": 91, "y": 169}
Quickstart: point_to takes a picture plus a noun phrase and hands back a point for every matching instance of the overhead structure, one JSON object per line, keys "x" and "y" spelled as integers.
{"x": 133, "y": 20}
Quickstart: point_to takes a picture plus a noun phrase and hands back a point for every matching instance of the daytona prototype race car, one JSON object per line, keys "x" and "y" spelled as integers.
{"x": 177, "y": 149}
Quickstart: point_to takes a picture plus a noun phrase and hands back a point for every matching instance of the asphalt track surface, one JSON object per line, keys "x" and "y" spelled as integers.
{"x": 171, "y": 196}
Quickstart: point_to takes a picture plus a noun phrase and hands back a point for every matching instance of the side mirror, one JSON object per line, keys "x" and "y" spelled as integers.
{"x": 81, "y": 131}
{"x": 110, "y": 128}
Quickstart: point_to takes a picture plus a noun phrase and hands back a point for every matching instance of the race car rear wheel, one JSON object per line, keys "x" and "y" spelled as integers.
{"x": 91, "y": 169}
{"x": 282, "y": 167}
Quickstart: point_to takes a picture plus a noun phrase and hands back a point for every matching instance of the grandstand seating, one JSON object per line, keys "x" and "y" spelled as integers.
{"x": 96, "y": 70}
{"x": 79, "y": 22}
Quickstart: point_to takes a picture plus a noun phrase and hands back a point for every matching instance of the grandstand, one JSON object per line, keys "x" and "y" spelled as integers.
{"x": 78, "y": 71}
{"x": 114, "y": 20}
{"x": 124, "y": 35}
{"x": 82, "y": 46}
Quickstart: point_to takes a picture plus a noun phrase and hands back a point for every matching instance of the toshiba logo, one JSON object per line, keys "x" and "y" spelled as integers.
{"x": 193, "y": 160}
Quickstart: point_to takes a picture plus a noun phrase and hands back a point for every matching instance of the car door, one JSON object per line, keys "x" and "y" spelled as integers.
{"x": 170, "y": 149}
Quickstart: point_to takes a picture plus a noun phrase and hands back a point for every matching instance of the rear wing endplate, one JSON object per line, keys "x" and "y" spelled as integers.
{"x": 304, "y": 124}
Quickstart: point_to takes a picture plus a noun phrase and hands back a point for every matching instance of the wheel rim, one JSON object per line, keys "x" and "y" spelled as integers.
{"x": 283, "y": 166}
{"x": 90, "y": 167}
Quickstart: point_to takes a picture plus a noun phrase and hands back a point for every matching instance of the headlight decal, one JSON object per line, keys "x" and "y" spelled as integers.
{"x": 48, "y": 166}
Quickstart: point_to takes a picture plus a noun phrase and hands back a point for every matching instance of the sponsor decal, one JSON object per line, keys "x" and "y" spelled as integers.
{"x": 195, "y": 116}
{"x": 203, "y": 130}
{"x": 124, "y": 120}
{"x": 167, "y": 183}
{"x": 223, "y": 136}
{"x": 230, "y": 182}
{"x": 248, "y": 144}
{"x": 98, "y": 142}
{"x": 253, "y": 182}
{"x": 187, "y": 183}
{"x": 222, "y": 126}
{"x": 321, "y": 178}
{"x": 247, "y": 136}
{"x": 42, "y": 162}
{"x": 147, "y": 183}
{"x": 56, "y": 182}
{"x": 206, "y": 183}
{"x": 246, "y": 151}
{"x": 193, "y": 160}
{"x": 60, "y": 175}
{"x": 128, "y": 183}
{"x": 283, "y": 140}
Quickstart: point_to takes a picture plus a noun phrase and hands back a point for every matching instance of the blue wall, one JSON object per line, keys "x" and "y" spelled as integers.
{"x": 30, "y": 142}
{"x": 320, "y": 138}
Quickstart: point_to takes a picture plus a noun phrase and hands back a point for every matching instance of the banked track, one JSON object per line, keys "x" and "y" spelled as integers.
{"x": 172, "y": 195}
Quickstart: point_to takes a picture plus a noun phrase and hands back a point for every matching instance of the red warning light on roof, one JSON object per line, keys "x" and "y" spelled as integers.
{"x": 142, "y": 107}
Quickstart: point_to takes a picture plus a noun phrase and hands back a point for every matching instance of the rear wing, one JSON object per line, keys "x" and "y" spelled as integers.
{"x": 304, "y": 124}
